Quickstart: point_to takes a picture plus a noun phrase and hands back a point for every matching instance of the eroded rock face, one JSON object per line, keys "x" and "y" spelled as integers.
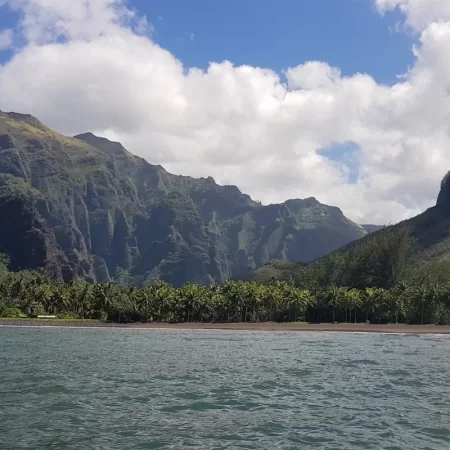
{"x": 107, "y": 211}
{"x": 26, "y": 239}
{"x": 443, "y": 200}
{"x": 6, "y": 142}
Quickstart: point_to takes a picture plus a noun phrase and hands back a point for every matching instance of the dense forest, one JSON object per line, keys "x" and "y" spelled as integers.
{"x": 376, "y": 281}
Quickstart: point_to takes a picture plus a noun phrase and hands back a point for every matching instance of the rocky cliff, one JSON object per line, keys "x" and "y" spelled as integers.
{"x": 86, "y": 207}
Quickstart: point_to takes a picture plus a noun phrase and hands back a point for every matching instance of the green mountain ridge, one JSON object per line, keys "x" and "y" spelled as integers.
{"x": 86, "y": 207}
{"x": 428, "y": 256}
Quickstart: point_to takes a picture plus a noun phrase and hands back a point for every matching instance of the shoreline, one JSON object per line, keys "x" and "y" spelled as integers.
{"x": 298, "y": 327}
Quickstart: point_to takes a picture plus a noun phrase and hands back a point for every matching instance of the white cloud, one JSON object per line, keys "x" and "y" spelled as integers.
{"x": 45, "y": 21}
{"x": 241, "y": 125}
{"x": 419, "y": 13}
{"x": 6, "y": 39}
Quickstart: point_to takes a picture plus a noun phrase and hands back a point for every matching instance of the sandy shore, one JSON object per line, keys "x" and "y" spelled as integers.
{"x": 341, "y": 327}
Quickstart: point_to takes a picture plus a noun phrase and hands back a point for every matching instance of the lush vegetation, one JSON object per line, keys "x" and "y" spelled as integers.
{"x": 85, "y": 207}
{"x": 380, "y": 260}
{"x": 104, "y": 220}
{"x": 375, "y": 280}
{"x": 30, "y": 294}
{"x": 415, "y": 251}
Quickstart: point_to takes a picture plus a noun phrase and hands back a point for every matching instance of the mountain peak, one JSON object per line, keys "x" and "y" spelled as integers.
{"x": 103, "y": 144}
{"x": 87, "y": 135}
{"x": 444, "y": 195}
{"x": 25, "y": 118}
{"x": 298, "y": 203}
{"x": 99, "y": 142}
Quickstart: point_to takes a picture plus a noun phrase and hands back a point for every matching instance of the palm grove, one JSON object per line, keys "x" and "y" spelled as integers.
{"x": 377, "y": 279}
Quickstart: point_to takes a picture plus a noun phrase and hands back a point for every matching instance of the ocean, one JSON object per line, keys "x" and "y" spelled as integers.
{"x": 110, "y": 388}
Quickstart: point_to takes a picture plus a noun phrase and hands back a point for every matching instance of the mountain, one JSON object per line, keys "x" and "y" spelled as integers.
{"x": 372, "y": 228}
{"x": 86, "y": 207}
{"x": 431, "y": 229}
{"x": 413, "y": 249}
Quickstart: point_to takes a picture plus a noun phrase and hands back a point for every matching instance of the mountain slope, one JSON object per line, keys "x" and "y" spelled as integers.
{"x": 97, "y": 211}
{"x": 372, "y": 228}
{"x": 417, "y": 247}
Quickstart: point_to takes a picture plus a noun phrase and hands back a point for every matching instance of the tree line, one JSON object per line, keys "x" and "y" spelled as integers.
{"x": 378, "y": 279}
{"x": 32, "y": 294}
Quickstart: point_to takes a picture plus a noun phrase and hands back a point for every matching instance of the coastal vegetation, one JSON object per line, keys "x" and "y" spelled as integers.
{"x": 31, "y": 294}
{"x": 93, "y": 232}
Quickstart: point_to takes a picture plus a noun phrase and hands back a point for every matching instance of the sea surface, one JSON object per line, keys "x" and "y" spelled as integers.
{"x": 176, "y": 389}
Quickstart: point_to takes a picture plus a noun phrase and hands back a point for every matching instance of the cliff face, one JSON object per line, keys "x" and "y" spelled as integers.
{"x": 26, "y": 239}
{"x": 443, "y": 200}
{"x": 431, "y": 229}
{"x": 86, "y": 207}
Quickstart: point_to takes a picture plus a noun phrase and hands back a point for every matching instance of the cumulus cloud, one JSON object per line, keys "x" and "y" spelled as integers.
{"x": 419, "y": 13}
{"x": 242, "y": 125}
{"x": 45, "y": 21}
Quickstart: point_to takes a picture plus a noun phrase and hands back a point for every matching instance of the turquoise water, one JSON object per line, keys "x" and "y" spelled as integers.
{"x": 148, "y": 389}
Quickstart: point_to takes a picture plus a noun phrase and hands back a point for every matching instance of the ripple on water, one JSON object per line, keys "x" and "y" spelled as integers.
{"x": 170, "y": 389}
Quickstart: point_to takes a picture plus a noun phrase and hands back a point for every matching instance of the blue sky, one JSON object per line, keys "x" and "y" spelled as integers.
{"x": 348, "y": 34}
{"x": 375, "y": 145}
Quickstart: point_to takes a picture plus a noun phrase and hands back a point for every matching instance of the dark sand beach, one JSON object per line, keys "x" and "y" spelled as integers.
{"x": 340, "y": 327}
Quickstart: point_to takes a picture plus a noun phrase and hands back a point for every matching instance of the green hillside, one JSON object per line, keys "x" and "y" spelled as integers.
{"x": 416, "y": 250}
{"x": 85, "y": 207}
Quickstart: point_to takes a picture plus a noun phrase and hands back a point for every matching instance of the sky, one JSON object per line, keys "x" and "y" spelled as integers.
{"x": 344, "y": 100}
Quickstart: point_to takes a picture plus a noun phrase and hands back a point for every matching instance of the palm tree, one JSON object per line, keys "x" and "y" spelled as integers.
{"x": 421, "y": 296}
{"x": 217, "y": 302}
{"x": 436, "y": 294}
{"x": 82, "y": 297}
{"x": 164, "y": 297}
{"x": 399, "y": 298}
{"x": 333, "y": 299}
{"x": 369, "y": 300}
{"x": 192, "y": 297}
{"x": 352, "y": 301}
{"x": 445, "y": 304}
{"x": 345, "y": 301}
{"x": 103, "y": 295}
{"x": 58, "y": 301}
{"x": 234, "y": 292}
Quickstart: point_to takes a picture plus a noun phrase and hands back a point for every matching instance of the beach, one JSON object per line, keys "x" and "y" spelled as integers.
{"x": 338, "y": 327}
